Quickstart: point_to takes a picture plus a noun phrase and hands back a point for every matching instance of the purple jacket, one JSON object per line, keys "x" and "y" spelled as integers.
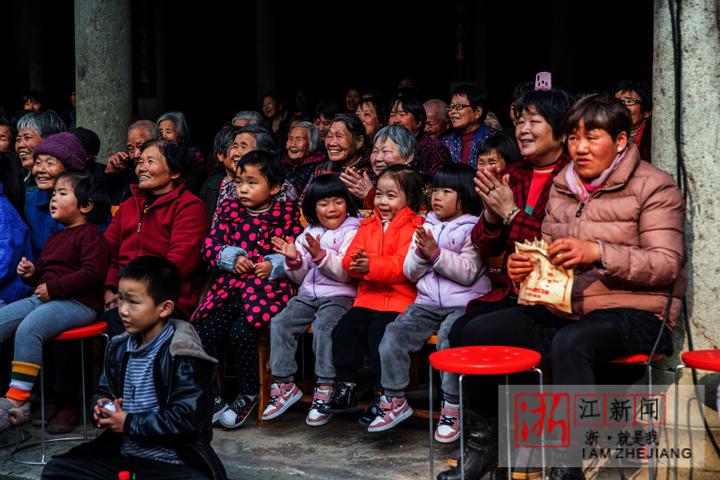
{"x": 324, "y": 276}
{"x": 454, "y": 275}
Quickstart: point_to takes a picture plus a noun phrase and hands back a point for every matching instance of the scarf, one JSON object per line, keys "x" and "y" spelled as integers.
{"x": 578, "y": 188}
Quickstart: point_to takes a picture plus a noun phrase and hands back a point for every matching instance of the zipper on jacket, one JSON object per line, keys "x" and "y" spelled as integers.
{"x": 580, "y": 210}
{"x": 437, "y": 277}
{"x": 144, "y": 211}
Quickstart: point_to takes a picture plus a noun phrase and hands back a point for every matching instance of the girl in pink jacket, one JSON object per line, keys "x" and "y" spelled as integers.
{"x": 449, "y": 273}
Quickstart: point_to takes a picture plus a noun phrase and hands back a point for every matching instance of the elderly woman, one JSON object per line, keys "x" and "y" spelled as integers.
{"x": 161, "y": 218}
{"x": 302, "y": 155}
{"x": 173, "y": 127}
{"x": 346, "y": 145}
{"x": 247, "y": 117}
{"x": 392, "y": 145}
{"x": 637, "y": 98}
{"x": 32, "y": 129}
{"x": 618, "y": 223}
{"x": 467, "y": 111}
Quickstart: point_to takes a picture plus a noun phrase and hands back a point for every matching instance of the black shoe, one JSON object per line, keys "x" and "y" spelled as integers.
{"x": 566, "y": 473}
{"x": 372, "y": 409}
{"x": 343, "y": 400}
{"x": 481, "y": 451}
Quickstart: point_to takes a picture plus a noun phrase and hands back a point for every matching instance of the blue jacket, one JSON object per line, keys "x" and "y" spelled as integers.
{"x": 453, "y": 141}
{"x": 15, "y": 242}
{"x": 37, "y": 214}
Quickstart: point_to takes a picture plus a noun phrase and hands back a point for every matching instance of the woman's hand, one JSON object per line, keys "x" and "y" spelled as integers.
{"x": 41, "y": 292}
{"x": 573, "y": 252}
{"x": 360, "y": 262}
{"x": 519, "y": 267}
{"x": 425, "y": 242}
{"x": 496, "y": 194}
{"x": 358, "y": 184}
{"x": 313, "y": 245}
{"x": 284, "y": 247}
{"x": 25, "y": 268}
{"x": 263, "y": 269}
{"x": 115, "y": 420}
{"x": 111, "y": 299}
{"x": 243, "y": 264}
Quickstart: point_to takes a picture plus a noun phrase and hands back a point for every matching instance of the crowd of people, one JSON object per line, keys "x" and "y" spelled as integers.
{"x": 376, "y": 223}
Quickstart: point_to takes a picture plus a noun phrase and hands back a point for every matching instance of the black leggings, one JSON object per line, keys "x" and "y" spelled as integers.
{"x": 573, "y": 348}
{"x": 228, "y": 326}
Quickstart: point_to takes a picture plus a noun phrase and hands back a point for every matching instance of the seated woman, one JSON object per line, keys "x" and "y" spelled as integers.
{"x": 302, "y": 154}
{"x": 173, "y": 128}
{"x": 161, "y": 218}
{"x": 346, "y": 144}
{"x": 392, "y": 145}
{"x": 618, "y": 223}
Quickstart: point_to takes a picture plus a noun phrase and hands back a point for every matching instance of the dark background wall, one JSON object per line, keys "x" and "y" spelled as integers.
{"x": 200, "y": 57}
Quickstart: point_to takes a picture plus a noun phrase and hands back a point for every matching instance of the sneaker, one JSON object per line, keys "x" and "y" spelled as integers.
{"x": 238, "y": 411}
{"x": 316, "y": 418}
{"x": 372, "y": 410}
{"x": 448, "y": 429}
{"x": 219, "y": 407}
{"x": 64, "y": 421}
{"x": 282, "y": 397}
{"x": 391, "y": 411}
{"x": 343, "y": 400}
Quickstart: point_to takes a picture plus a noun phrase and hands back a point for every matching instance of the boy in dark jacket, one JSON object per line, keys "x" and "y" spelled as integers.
{"x": 154, "y": 396}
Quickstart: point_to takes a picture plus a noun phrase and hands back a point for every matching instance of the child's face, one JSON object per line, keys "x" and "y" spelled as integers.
{"x": 252, "y": 188}
{"x": 491, "y": 162}
{"x": 389, "y": 198}
{"x": 64, "y": 206}
{"x": 137, "y": 309}
{"x": 331, "y": 212}
{"x": 45, "y": 170}
{"x": 445, "y": 203}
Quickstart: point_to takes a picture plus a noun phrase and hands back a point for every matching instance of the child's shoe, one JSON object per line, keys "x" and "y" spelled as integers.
{"x": 12, "y": 416}
{"x": 321, "y": 397}
{"x": 219, "y": 407}
{"x": 372, "y": 409}
{"x": 238, "y": 411}
{"x": 343, "y": 400}
{"x": 448, "y": 429}
{"x": 391, "y": 411}
{"x": 282, "y": 397}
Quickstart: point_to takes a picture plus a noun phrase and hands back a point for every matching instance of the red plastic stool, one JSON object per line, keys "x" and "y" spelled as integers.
{"x": 701, "y": 360}
{"x": 81, "y": 333}
{"x": 482, "y": 360}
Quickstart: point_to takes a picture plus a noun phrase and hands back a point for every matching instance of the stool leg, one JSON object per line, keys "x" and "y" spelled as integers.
{"x": 542, "y": 433}
{"x": 507, "y": 424}
{"x": 42, "y": 414}
{"x": 678, "y": 371}
{"x": 83, "y": 407}
{"x": 430, "y": 414}
{"x": 462, "y": 428}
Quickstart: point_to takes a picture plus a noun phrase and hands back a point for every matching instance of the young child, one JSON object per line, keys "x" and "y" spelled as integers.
{"x": 154, "y": 396}
{"x": 68, "y": 279}
{"x": 244, "y": 295}
{"x": 326, "y": 292}
{"x": 496, "y": 153}
{"x": 449, "y": 273}
{"x": 375, "y": 258}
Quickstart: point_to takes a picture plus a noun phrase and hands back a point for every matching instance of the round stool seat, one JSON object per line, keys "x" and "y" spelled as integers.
{"x": 92, "y": 330}
{"x": 485, "y": 360}
{"x": 702, "y": 359}
{"x": 637, "y": 358}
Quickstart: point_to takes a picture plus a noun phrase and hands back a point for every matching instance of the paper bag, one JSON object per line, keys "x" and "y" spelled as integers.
{"x": 547, "y": 284}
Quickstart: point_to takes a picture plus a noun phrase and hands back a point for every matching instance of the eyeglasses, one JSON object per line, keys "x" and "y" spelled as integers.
{"x": 629, "y": 101}
{"x": 458, "y": 107}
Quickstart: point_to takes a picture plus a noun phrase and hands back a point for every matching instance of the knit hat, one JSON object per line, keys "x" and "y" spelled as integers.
{"x": 89, "y": 139}
{"x": 65, "y": 147}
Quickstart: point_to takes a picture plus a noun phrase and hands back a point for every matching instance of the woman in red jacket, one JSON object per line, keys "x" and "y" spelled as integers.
{"x": 375, "y": 258}
{"x": 161, "y": 218}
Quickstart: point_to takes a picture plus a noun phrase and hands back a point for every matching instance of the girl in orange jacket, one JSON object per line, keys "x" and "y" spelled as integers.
{"x": 375, "y": 258}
